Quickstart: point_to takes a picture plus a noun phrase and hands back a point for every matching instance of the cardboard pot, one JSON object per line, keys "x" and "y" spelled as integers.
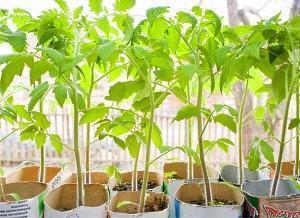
{"x": 285, "y": 204}
{"x": 53, "y": 175}
{"x": 61, "y": 202}
{"x": 287, "y": 168}
{"x": 31, "y": 205}
{"x": 127, "y": 177}
{"x": 170, "y": 186}
{"x": 95, "y": 178}
{"x": 230, "y": 173}
{"x": 194, "y": 191}
{"x": 131, "y": 210}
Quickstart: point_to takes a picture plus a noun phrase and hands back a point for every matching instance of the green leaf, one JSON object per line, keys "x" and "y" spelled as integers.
{"x": 226, "y": 120}
{"x": 56, "y": 56}
{"x": 1, "y": 171}
{"x": 173, "y": 38}
{"x": 259, "y": 113}
{"x": 37, "y": 94}
{"x": 38, "y": 69}
{"x": 123, "y": 203}
{"x": 105, "y": 50}
{"x": 40, "y": 139}
{"x": 253, "y": 49}
{"x": 104, "y": 25}
{"x": 213, "y": 19}
{"x": 56, "y": 143}
{"x": 156, "y": 136}
{"x": 15, "y": 67}
{"x": 17, "y": 39}
{"x": 95, "y": 5}
{"x": 133, "y": 146}
{"x": 119, "y": 142}
{"x": 61, "y": 94}
{"x": 253, "y": 159}
{"x": 78, "y": 11}
{"x": 294, "y": 123}
{"x": 267, "y": 151}
{"x": 28, "y": 133}
{"x": 280, "y": 83}
{"x": 92, "y": 114}
{"x": 123, "y": 90}
{"x": 187, "y": 112}
{"x": 124, "y": 5}
{"x": 62, "y": 4}
{"x": 185, "y": 17}
{"x": 22, "y": 112}
{"x": 153, "y": 13}
{"x": 41, "y": 120}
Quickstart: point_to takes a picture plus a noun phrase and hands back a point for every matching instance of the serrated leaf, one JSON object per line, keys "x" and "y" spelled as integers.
{"x": 153, "y": 13}
{"x": 95, "y": 5}
{"x": 124, "y": 5}
{"x": 267, "y": 151}
{"x": 78, "y": 11}
{"x": 119, "y": 142}
{"x": 22, "y": 112}
{"x": 187, "y": 112}
{"x": 105, "y": 50}
{"x": 61, "y": 94}
{"x": 56, "y": 143}
{"x": 37, "y": 94}
{"x": 62, "y": 4}
{"x": 133, "y": 146}
{"x": 226, "y": 120}
{"x": 294, "y": 123}
{"x": 253, "y": 159}
{"x": 56, "y": 56}
{"x": 41, "y": 120}
{"x": 39, "y": 68}
{"x": 92, "y": 114}
{"x": 40, "y": 139}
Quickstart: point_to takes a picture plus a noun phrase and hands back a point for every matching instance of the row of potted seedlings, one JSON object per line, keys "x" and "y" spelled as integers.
{"x": 189, "y": 55}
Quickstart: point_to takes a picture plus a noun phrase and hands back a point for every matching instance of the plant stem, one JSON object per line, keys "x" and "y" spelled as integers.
{"x": 240, "y": 133}
{"x": 42, "y": 158}
{"x": 148, "y": 150}
{"x": 88, "y": 130}
{"x": 190, "y": 167}
{"x": 2, "y": 194}
{"x": 134, "y": 173}
{"x": 282, "y": 141}
{"x": 208, "y": 194}
{"x": 297, "y": 132}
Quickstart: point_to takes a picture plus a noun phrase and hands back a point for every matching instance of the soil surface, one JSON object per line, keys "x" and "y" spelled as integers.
{"x": 157, "y": 205}
{"x": 216, "y": 202}
{"x": 127, "y": 186}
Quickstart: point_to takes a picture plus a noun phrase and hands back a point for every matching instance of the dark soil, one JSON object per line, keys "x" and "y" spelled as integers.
{"x": 216, "y": 202}
{"x": 127, "y": 186}
{"x": 158, "y": 205}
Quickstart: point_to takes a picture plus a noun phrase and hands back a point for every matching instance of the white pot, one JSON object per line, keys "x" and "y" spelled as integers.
{"x": 194, "y": 191}
{"x": 64, "y": 197}
{"x": 134, "y": 197}
{"x": 230, "y": 173}
{"x": 95, "y": 178}
{"x": 53, "y": 175}
{"x": 31, "y": 206}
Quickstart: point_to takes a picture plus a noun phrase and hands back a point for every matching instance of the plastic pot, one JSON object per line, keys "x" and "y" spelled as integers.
{"x": 61, "y": 202}
{"x": 131, "y": 209}
{"x": 187, "y": 193}
{"x": 230, "y": 173}
{"x": 53, "y": 175}
{"x": 286, "y": 203}
{"x": 31, "y": 205}
{"x": 127, "y": 177}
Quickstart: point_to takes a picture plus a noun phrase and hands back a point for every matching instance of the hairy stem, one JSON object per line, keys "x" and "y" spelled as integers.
{"x": 148, "y": 151}
{"x": 282, "y": 141}
{"x": 42, "y": 158}
{"x": 240, "y": 133}
{"x": 88, "y": 130}
{"x": 208, "y": 194}
{"x": 190, "y": 167}
{"x": 297, "y": 170}
{"x": 134, "y": 173}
